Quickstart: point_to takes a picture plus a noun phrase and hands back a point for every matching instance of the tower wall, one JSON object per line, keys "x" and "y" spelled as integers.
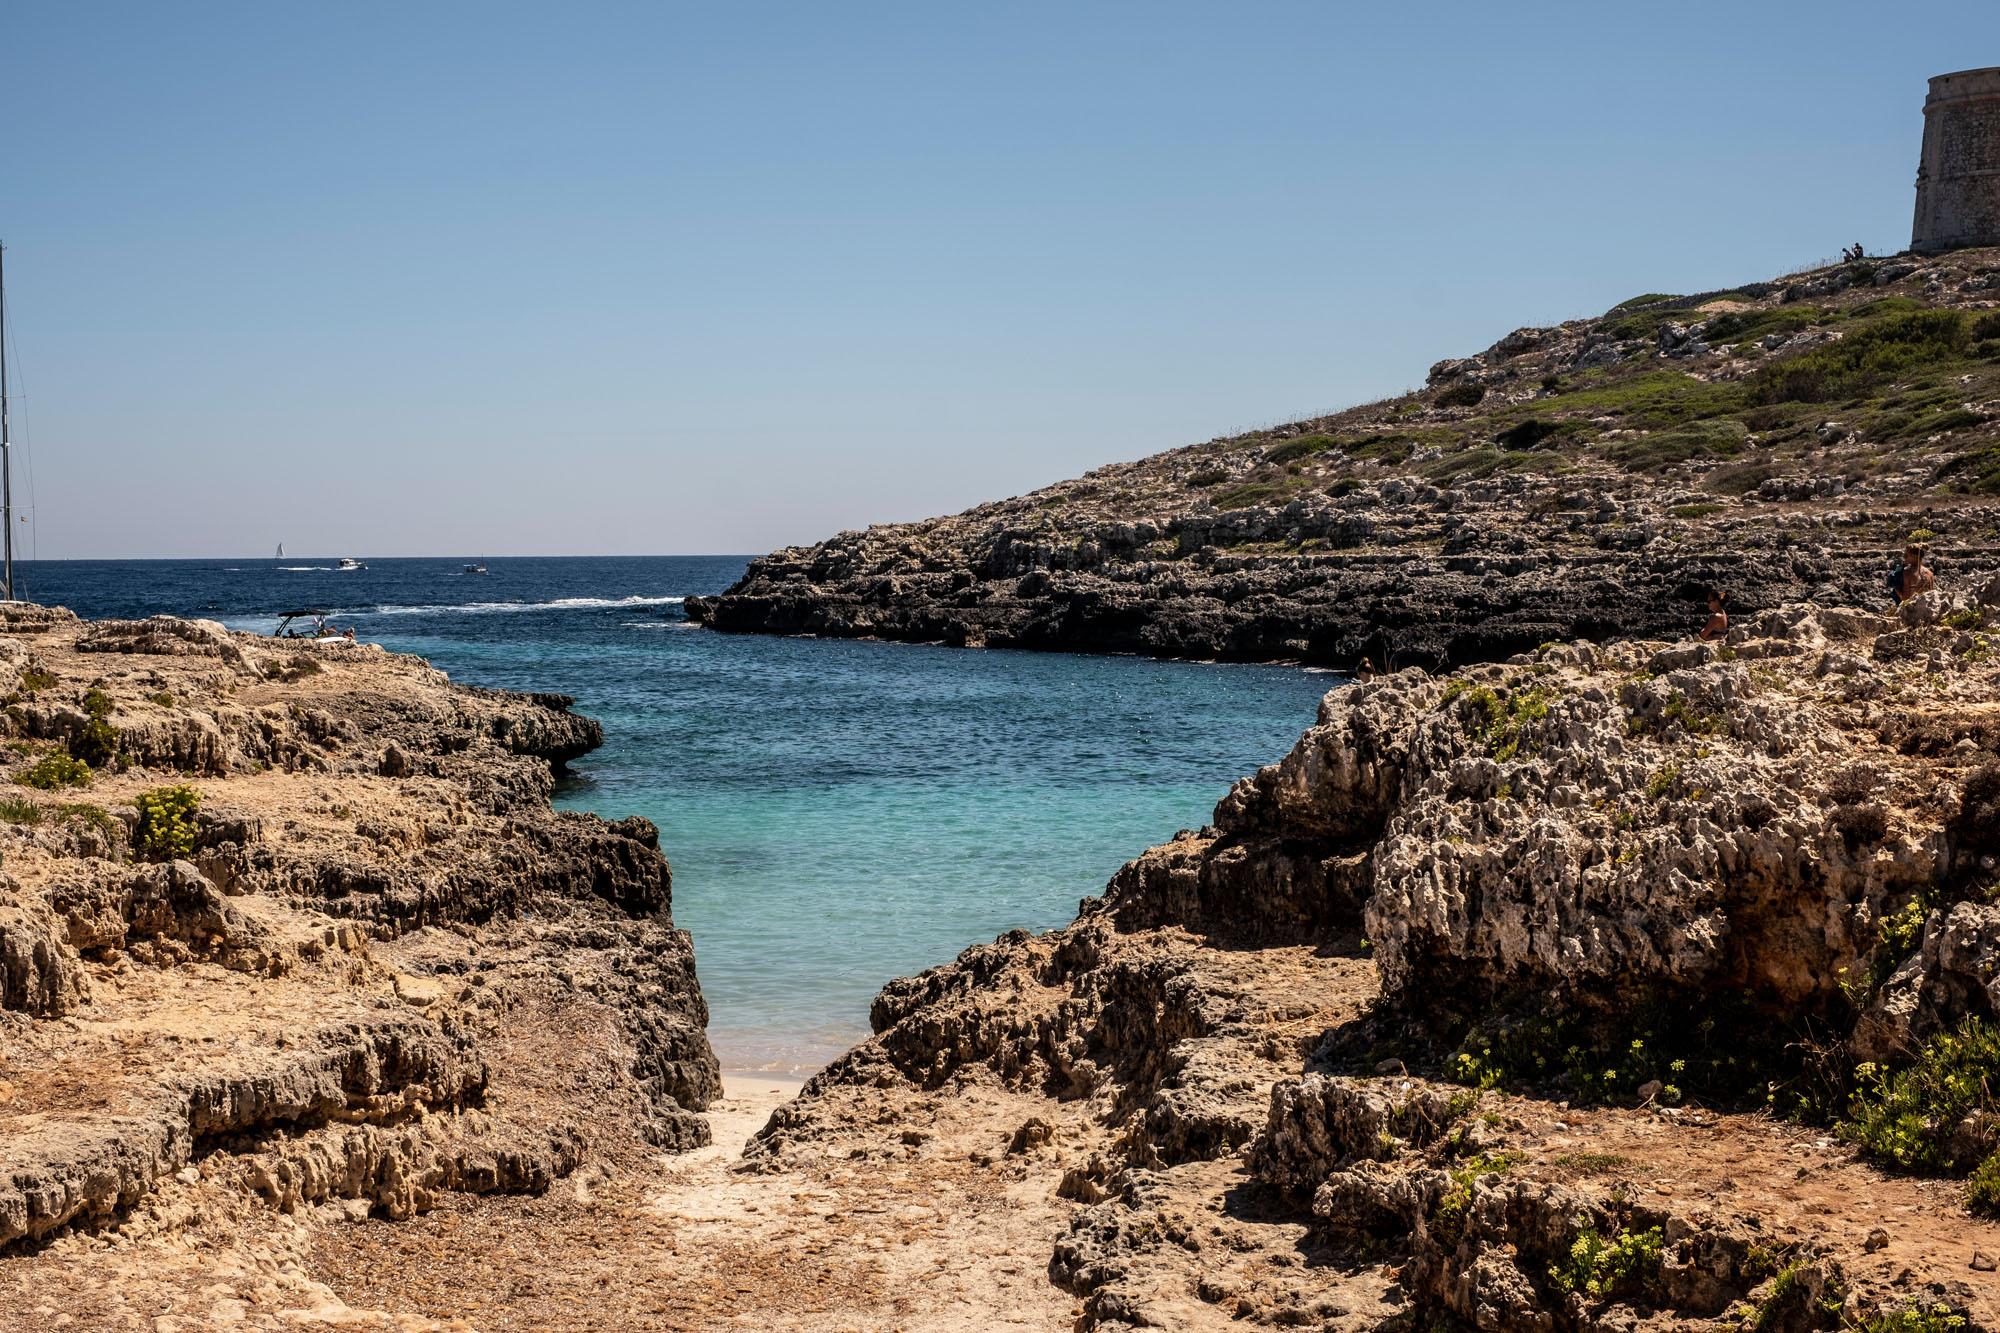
{"x": 1958, "y": 179}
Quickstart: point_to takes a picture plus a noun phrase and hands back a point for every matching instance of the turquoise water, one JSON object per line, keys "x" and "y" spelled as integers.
{"x": 837, "y": 813}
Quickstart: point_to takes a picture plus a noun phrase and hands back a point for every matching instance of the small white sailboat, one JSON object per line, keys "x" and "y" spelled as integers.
{"x": 281, "y": 550}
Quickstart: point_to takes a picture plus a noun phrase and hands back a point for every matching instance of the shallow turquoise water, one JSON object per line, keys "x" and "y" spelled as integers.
{"x": 837, "y": 813}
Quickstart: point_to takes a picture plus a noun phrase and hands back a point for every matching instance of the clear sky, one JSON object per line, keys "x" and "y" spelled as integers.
{"x": 492, "y": 278}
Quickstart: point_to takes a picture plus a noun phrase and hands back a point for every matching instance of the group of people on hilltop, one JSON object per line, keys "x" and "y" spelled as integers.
{"x": 1850, "y": 253}
{"x": 1912, "y": 578}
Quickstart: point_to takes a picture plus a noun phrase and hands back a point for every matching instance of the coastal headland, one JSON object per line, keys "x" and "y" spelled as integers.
{"x": 1779, "y": 439}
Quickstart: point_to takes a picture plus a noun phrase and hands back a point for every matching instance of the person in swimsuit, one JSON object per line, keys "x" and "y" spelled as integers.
{"x": 1718, "y": 616}
{"x": 1913, "y": 579}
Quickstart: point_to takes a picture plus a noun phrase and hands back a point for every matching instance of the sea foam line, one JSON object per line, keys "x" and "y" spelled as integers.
{"x": 501, "y": 608}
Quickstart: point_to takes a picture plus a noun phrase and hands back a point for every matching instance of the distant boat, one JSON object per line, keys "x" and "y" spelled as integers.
{"x": 473, "y": 569}
{"x": 349, "y": 562}
{"x": 281, "y": 550}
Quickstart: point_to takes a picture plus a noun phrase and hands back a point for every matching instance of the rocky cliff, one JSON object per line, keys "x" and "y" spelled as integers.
{"x": 1607, "y": 987}
{"x": 292, "y": 925}
{"x": 1591, "y": 479}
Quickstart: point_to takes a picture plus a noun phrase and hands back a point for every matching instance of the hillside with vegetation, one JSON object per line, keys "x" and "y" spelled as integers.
{"x": 1779, "y": 439}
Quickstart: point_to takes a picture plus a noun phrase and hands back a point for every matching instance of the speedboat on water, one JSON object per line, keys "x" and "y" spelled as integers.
{"x": 349, "y": 562}
{"x": 318, "y": 626}
{"x": 473, "y": 569}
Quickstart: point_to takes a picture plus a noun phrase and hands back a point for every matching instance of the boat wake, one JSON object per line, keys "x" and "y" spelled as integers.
{"x": 503, "y": 608}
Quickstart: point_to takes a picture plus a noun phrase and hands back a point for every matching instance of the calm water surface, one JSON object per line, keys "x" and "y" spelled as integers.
{"x": 837, "y": 813}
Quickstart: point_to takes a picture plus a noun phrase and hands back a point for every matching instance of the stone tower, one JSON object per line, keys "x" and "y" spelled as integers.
{"x": 1958, "y": 179}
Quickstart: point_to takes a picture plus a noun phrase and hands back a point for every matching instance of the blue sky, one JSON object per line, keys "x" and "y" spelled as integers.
{"x": 495, "y": 278}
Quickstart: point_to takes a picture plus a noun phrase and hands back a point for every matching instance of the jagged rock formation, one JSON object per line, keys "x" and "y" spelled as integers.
{"x": 1361, "y": 1054}
{"x": 1587, "y": 480}
{"x": 374, "y": 967}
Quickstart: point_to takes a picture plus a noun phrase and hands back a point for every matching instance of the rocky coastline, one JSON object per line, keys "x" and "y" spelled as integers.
{"x": 1591, "y": 479}
{"x": 1571, "y": 991}
{"x": 1534, "y": 997}
{"x": 290, "y": 927}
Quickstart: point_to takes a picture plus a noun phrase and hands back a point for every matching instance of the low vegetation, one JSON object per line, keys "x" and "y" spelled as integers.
{"x": 1625, "y": 1265}
{"x": 167, "y": 824}
{"x": 54, "y": 771}
{"x": 1913, "y": 1117}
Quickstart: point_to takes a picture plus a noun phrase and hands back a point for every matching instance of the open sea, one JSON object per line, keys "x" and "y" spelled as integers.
{"x": 837, "y": 813}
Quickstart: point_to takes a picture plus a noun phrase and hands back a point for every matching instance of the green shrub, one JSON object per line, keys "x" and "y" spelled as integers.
{"x": 1465, "y": 393}
{"x": 162, "y": 697}
{"x": 1740, "y": 479}
{"x": 1744, "y": 325}
{"x": 1628, "y": 1264}
{"x": 1702, "y": 510}
{"x": 1391, "y": 449}
{"x": 1653, "y": 400}
{"x": 1906, "y": 1116}
{"x": 1664, "y": 448}
{"x": 1790, "y": 1297}
{"x": 1465, "y": 465}
{"x": 1649, "y": 298}
{"x": 167, "y": 822}
{"x": 97, "y": 743}
{"x": 54, "y": 771}
{"x": 1529, "y": 434}
{"x": 1501, "y": 720}
{"x": 1982, "y": 1187}
{"x": 1879, "y": 351}
{"x": 1305, "y": 446}
{"x": 1449, "y": 1219}
{"x": 35, "y": 678}
{"x": 1729, "y": 1054}
{"x": 19, "y": 810}
{"x": 1245, "y": 496}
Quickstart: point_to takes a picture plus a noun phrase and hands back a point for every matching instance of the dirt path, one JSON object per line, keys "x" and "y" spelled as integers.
{"x": 700, "y": 1242}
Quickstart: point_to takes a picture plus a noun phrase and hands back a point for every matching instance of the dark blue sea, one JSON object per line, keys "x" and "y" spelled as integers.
{"x": 837, "y": 813}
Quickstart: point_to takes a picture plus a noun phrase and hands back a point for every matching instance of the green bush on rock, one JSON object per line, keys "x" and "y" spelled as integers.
{"x": 1626, "y": 1265}
{"x": 54, "y": 771}
{"x": 1912, "y": 1117}
{"x": 167, "y": 822}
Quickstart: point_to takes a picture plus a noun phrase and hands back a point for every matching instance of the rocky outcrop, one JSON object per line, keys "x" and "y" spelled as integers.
{"x": 372, "y": 965}
{"x": 1591, "y": 480}
{"x": 1453, "y": 1015}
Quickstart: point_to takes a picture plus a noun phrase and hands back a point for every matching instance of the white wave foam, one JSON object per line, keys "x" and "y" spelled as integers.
{"x": 306, "y": 569}
{"x": 502, "y": 608}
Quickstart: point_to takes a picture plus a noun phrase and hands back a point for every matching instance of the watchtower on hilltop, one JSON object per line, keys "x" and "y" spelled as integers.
{"x": 1958, "y": 178}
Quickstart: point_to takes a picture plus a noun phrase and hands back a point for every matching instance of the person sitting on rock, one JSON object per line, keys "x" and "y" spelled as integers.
{"x": 1366, "y": 671}
{"x": 1914, "y": 578}
{"x": 1718, "y": 616}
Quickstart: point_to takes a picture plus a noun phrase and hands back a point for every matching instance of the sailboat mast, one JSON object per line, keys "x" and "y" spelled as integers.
{"x": 6, "y": 447}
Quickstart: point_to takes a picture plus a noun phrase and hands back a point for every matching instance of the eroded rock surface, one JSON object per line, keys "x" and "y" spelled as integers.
{"x": 1244, "y": 1067}
{"x": 376, "y": 970}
